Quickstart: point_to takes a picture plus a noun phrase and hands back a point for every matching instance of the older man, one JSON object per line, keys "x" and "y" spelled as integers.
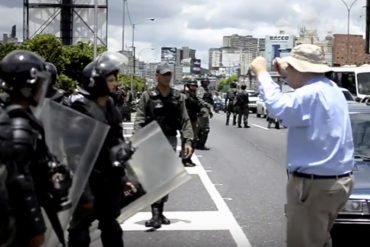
{"x": 320, "y": 147}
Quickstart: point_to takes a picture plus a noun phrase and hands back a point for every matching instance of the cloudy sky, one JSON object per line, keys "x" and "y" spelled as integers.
{"x": 201, "y": 24}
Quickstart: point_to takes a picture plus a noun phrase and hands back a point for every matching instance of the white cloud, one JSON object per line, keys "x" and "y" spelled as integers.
{"x": 200, "y": 24}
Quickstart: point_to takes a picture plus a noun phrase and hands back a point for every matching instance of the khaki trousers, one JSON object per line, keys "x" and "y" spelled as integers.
{"x": 312, "y": 207}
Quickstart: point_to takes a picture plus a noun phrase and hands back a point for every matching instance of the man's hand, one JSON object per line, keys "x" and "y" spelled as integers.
{"x": 259, "y": 65}
{"x": 37, "y": 240}
{"x": 280, "y": 66}
{"x": 132, "y": 189}
{"x": 187, "y": 150}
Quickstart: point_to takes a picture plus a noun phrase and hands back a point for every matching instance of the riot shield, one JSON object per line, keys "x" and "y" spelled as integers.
{"x": 75, "y": 139}
{"x": 155, "y": 166}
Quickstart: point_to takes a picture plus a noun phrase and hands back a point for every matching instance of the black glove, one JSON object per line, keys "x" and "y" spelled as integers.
{"x": 121, "y": 153}
{"x": 60, "y": 181}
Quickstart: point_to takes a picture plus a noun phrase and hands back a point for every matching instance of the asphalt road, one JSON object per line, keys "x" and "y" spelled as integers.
{"x": 235, "y": 198}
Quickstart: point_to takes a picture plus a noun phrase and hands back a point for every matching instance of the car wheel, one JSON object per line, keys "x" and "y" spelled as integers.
{"x": 258, "y": 115}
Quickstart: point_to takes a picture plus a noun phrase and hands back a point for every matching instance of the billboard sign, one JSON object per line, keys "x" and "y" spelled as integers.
{"x": 168, "y": 54}
{"x": 196, "y": 66}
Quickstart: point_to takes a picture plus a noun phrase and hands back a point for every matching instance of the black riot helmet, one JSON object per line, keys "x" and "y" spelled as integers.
{"x": 191, "y": 83}
{"x": 204, "y": 82}
{"x": 53, "y": 73}
{"x": 232, "y": 85}
{"x": 24, "y": 76}
{"x": 96, "y": 73}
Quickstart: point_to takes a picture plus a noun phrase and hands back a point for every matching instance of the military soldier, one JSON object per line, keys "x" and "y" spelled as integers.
{"x": 206, "y": 113}
{"x": 102, "y": 198}
{"x": 165, "y": 105}
{"x": 229, "y": 103}
{"x": 242, "y": 101}
{"x": 30, "y": 181}
{"x": 193, "y": 106}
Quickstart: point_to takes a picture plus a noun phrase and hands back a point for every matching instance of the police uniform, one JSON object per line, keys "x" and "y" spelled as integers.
{"x": 105, "y": 187}
{"x": 193, "y": 106}
{"x": 29, "y": 178}
{"x": 229, "y": 102}
{"x": 242, "y": 100}
{"x": 171, "y": 115}
{"x": 205, "y": 115}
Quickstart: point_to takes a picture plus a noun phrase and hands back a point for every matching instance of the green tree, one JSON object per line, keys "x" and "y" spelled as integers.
{"x": 49, "y": 47}
{"x": 224, "y": 84}
{"x": 138, "y": 83}
{"x": 6, "y": 48}
{"x": 77, "y": 57}
{"x": 66, "y": 83}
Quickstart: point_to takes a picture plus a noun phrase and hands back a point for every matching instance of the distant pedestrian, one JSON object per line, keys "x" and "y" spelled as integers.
{"x": 242, "y": 101}
{"x": 320, "y": 146}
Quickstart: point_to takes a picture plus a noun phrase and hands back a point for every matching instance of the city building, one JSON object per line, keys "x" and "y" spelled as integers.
{"x": 10, "y": 38}
{"x": 214, "y": 58}
{"x": 349, "y": 50}
{"x": 279, "y": 45}
{"x": 311, "y": 37}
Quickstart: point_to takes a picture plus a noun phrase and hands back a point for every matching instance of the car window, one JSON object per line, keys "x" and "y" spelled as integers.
{"x": 348, "y": 96}
{"x": 361, "y": 133}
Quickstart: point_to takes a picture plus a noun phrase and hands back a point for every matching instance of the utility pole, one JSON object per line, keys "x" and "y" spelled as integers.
{"x": 95, "y": 28}
{"x": 123, "y": 24}
{"x": 367, "y": 45}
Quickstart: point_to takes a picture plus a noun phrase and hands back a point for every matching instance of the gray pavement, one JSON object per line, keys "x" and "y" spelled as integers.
{"x": 236, "y": 196}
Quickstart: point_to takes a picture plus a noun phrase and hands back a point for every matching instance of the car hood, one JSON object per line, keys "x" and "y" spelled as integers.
{"x": 361, "y": 173}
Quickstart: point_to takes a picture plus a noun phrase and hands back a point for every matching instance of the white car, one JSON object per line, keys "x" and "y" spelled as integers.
{"x": 253, "y": 97}
{"x": 347, "y": 94}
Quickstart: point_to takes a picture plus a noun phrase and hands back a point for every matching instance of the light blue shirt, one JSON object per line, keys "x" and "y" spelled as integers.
{"x": 319, "y": 129}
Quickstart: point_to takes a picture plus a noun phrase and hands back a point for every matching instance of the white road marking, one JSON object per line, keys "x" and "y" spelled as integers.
{"x": 259, "y": 126}
{"x": 236, "y": 231}
{"x": 223, "y": 219}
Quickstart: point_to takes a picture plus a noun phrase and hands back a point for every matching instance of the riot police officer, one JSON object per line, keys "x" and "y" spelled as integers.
{"x": 230, "y": 103}
{"x": 206, "y": 113}
{"x": 242, "y": 101}
{"x": 102, "y": 198}
{"x": 165, "y": 105}
{"x": 53, "y": 92}
{"x": 28, "y": 161}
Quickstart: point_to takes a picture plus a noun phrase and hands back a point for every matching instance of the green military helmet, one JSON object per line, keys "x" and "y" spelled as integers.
{"x": 191, "y": 82}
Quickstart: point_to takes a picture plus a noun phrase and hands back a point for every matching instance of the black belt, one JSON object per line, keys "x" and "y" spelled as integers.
{"x": 313, "y": 176}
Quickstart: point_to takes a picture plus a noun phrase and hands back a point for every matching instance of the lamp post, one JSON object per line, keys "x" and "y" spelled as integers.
{"x": 133, "y": 49}
{"x": 348, "y": 20}
{"x": 123, "y": 24}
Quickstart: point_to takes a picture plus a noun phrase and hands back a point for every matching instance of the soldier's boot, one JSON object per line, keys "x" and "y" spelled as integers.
{"x": 227, "y": 120}
{"x": 164, "y": 219}
{"x": 246, "y": 125}
{"x": 269, "y": 124}
{"x": 155, "y": 221}
{"x": 234, "y": 119}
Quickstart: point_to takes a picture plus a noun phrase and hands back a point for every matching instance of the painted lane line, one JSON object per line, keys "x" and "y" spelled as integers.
{"x": 236, "y": 231}
{"x": 259, "y": 126}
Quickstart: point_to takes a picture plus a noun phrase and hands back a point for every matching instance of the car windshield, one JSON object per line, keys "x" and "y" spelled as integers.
{"x": 363, "y": 83}
{"x": 348, "y": 96}
{"x": 344, "y": 79}
{"x": 361, "y": 133}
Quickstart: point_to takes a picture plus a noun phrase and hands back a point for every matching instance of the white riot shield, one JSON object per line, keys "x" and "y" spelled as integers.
{"x": 75, "y": 139}
{"x": 155, "y": 166}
